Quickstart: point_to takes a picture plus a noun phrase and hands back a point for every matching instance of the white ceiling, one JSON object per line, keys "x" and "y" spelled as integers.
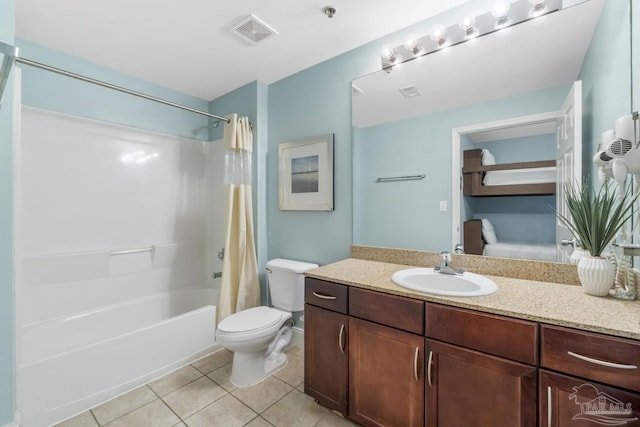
{"x": 187, "y": 45}
{"x": 535, "y": 55}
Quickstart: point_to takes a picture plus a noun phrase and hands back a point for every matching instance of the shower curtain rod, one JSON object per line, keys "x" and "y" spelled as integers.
{"x": 11, "y": 54}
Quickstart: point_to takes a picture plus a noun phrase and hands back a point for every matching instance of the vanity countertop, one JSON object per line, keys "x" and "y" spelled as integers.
{"x": 552, "y": 303}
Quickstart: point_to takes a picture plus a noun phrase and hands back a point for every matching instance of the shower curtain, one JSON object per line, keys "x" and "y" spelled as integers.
{"x": 240, "y": 286}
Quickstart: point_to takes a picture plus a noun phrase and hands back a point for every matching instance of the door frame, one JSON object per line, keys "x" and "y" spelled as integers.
{"x": 456, "y": 167}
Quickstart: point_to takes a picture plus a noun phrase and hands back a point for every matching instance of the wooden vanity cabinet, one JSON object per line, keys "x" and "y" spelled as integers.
{"x": 386, "y": 359}
{"x": 326, "y": 343}
{"x": 480, "y": 370}
{"x": 597, "y": 379}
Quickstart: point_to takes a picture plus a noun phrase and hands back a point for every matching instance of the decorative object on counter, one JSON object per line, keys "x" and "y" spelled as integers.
{"x": 595, "y": 220}
{"x": 306, "y": 174}
{"x": 625, "y": 284}
{"x": 577, "y": 254}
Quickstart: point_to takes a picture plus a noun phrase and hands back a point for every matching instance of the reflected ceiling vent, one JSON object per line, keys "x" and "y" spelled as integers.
{"x": 409, "y": 91}
{"x": 253, "y": 30}
{"x": 355, "y": 90}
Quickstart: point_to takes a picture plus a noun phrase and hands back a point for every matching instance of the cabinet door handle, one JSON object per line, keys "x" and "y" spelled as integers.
{"x": 415, "y": 364}
{"x": 601, "y": 362}
{"x": 323, "y": 296}
{"x": 429, "y": 368}
{"x": 340, "y": 345}
{"x": 549, "y": 408}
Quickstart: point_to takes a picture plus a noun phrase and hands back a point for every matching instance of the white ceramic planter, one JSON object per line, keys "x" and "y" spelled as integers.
{"x": 577, "y": 255}
{"x": 596, "y": 275}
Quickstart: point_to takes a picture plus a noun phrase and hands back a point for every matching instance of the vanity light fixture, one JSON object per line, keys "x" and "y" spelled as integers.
{"x": 503, "y": 14}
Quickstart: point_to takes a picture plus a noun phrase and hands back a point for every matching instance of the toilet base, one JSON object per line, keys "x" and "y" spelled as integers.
{"x": 251, "y": 368}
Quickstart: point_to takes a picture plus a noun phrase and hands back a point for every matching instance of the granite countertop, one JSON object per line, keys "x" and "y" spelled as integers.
{"x": 552, "y": 303}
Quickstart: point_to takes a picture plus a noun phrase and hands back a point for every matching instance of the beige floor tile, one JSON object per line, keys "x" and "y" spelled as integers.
{"x": 295, "y": 350}
{"x": 115, "y": 408}
{"x": 259, "y": 422}
{"x": 335, "y": 420}
{"x": 189, "y": 399}
{"x": 180, "y": 424}
{"x": 301, "y": 387}
{"x": 260, "y": 396}
{"x": 84, "y": 419}
{"x": 222, "y": 376}
{"x": 295, "y": 410}
{"x": 293, "y": 371}
{"x": 225, "y": 412}
{"x": 155, "y": 414}
{"x": 176, "y": 379}
{"x": 213, "y": 361}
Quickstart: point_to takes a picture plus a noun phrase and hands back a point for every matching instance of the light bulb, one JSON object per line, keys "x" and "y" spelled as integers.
{"x": 439, "y": 35}
{"x": 500, "y": 11}
{"x": 390, "y": 54}
{"x": 467, "y": 25}
{"x": 413, "y": 46}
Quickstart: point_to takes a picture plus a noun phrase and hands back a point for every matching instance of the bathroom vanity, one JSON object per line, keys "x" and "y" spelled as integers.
{"x": 386, "y": 356}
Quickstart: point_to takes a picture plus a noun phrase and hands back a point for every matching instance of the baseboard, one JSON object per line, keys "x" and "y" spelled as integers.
{"x": 297, "y": 338}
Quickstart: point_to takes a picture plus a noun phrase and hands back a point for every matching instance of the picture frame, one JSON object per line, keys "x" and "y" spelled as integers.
{"x": 305, "y": 180}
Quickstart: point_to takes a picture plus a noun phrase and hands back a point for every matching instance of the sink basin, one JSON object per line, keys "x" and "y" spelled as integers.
{"x": 428, "y": 281}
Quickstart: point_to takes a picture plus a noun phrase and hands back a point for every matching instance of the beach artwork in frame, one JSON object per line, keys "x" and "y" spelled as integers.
{"x": 306, "y": 174}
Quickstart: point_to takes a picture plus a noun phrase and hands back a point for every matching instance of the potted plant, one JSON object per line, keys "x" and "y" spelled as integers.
{"x": 595, "y": 220}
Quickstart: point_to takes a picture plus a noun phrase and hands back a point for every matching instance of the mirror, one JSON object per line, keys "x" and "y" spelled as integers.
{"x": 524, "y": 71}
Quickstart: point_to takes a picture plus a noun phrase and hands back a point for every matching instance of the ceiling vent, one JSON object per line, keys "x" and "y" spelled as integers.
{"x": 409, "y": 91}
{"x": 253, "y": 30}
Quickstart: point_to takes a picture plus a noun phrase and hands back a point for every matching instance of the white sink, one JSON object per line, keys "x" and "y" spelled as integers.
{"x": 432, "y": 282}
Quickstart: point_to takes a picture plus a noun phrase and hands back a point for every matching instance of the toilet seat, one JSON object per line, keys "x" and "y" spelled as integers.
{"x": 252, "y": 322}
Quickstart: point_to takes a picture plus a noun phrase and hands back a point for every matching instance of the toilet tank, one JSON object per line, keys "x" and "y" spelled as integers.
{"x": 286, "y": 283}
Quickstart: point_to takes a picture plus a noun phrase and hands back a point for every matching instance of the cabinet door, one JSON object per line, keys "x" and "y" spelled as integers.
{"x": 574, "y": 402}
{"x": 325, "y": 357}
{"x": 469, "y": 388}
{"x": 386, "y": 375}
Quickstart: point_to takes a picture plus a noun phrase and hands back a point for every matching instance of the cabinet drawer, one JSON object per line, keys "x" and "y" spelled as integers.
{"x": 513, "y": 339}
{"x": 331, "y": 296}
{"x": 390, "y": 310}
{"x": 597, "y": 357}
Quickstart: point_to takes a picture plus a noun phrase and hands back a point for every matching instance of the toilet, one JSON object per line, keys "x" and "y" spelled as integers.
{"x": 257, "y": 336}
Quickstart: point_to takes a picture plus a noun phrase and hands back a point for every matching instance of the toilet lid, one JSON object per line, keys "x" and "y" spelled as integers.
{"x": 251, "y": 319}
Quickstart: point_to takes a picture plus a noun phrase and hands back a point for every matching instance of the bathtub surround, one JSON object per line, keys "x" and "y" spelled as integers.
{"x": 240, "y": 287}
{"x": 111, "y": 263}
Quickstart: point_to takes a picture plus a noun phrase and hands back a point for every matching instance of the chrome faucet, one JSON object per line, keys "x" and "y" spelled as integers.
{"x": 459, "y": 249}
{"x": 444, "y": 268}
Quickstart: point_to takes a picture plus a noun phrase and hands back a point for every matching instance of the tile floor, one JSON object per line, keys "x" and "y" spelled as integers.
{"x": 201, "y": 395}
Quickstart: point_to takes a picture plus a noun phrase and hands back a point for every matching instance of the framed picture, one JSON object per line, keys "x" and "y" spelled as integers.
{"x": 306, "y": 174}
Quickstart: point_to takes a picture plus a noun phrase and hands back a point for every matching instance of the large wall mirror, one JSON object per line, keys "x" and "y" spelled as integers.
{"x": 506, "y": 93}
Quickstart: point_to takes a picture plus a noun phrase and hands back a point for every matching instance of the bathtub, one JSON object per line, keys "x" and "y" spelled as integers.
{"x": 68, "y": 365}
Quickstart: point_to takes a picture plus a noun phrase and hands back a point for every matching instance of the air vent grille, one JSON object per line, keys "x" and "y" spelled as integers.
{"x": 253, "y": 30}
{"x": 410, "y": 91}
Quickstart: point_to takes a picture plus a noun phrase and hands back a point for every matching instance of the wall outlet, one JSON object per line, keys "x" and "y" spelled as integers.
{"x": 443, "y": 205}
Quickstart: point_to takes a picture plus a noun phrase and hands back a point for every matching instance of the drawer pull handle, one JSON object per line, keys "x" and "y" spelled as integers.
{"x": 415, "y": 364}
{"x": 323, "y": 296}
{"x": 429, "y": 363}
{"x": 549, "y": 408}
{"x": 340, "y": 345}
{"x": 601, "y": 362}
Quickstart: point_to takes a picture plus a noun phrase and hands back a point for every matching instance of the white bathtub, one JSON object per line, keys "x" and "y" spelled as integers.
{"x": 71, "y": 364}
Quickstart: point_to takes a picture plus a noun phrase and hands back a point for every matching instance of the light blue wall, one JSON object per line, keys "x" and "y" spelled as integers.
{"x": 7, "y": 384}
{"x": 524, "y": 149}
{"x": 415, "y": 146}
{"x": 251, "y": 101}
{"x": 606, "y": 78}
{"x": 50, "y": 91}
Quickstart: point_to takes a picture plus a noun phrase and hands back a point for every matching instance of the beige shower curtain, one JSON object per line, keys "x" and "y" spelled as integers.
{"x": 240, "y": 286}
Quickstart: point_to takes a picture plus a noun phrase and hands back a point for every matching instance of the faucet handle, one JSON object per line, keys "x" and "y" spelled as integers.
{"x": 446, "y": 257}
{"x": 459, "y": 249}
